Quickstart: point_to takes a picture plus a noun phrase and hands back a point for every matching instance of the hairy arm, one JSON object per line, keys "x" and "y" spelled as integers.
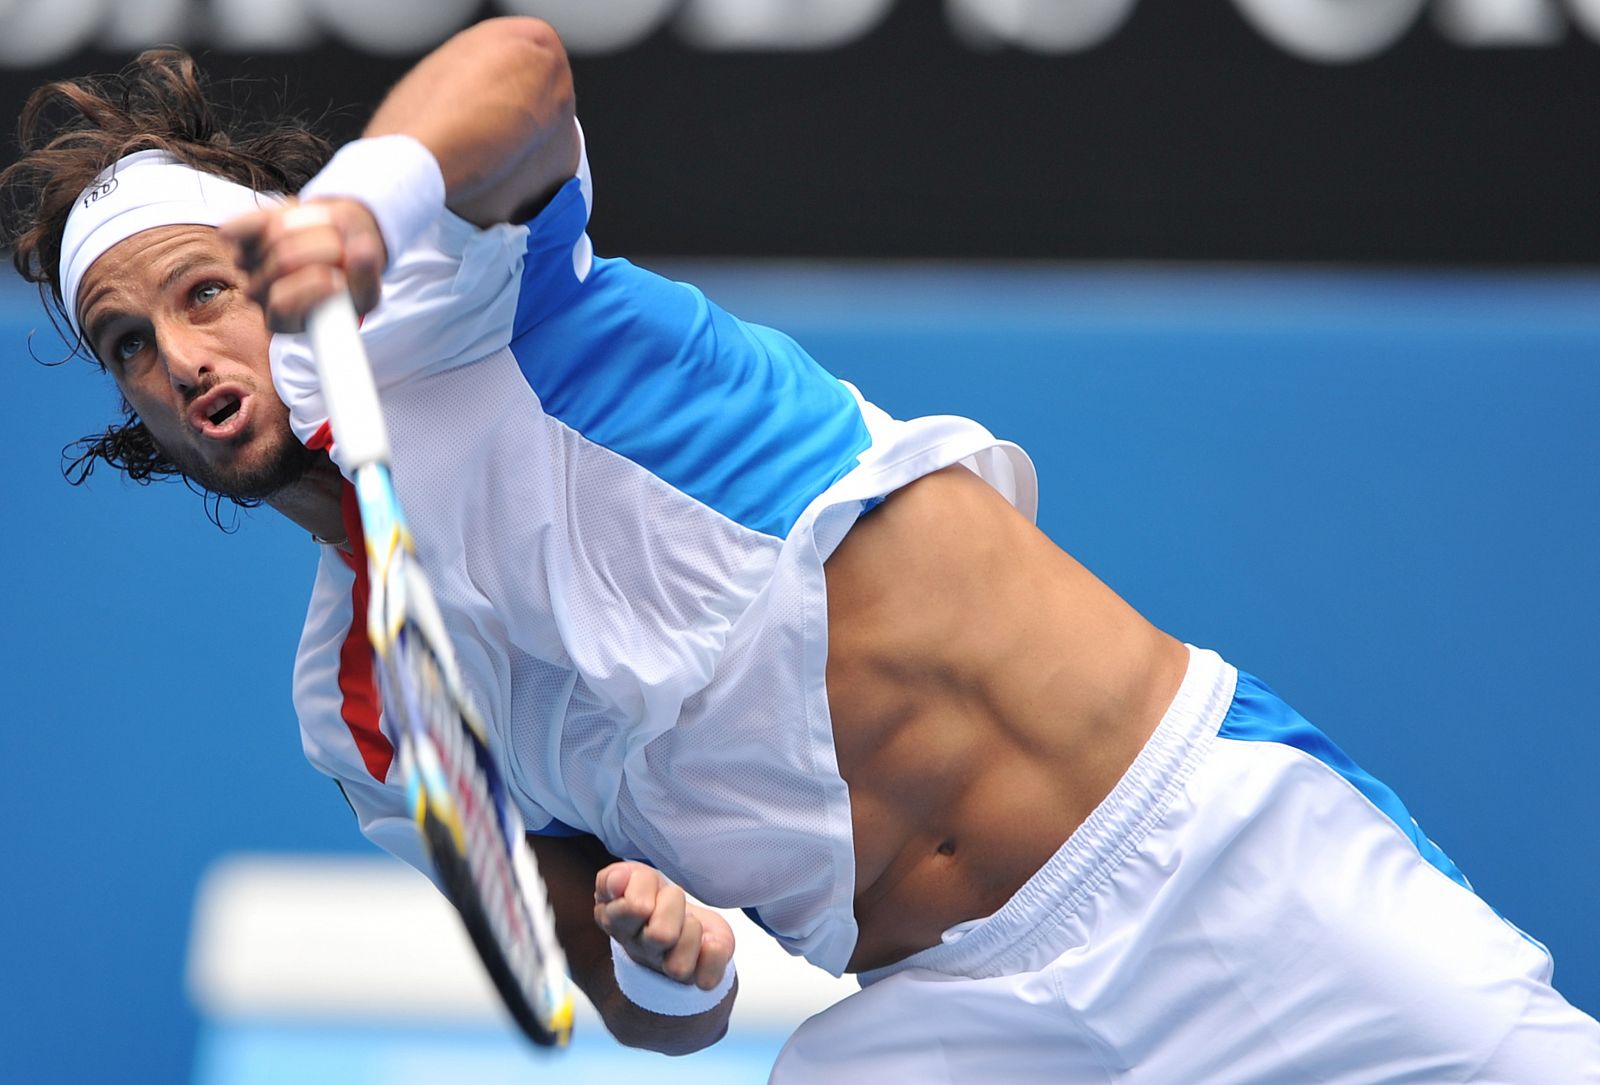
{"x": 650, "y": 917}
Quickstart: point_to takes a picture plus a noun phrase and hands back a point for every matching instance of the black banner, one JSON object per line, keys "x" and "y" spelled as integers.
{"x": 1372, "y": 131}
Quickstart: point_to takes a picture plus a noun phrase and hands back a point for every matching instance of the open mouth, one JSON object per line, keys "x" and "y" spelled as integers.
{"x": 225, "y": 411}
{"x": 221, "y": 414}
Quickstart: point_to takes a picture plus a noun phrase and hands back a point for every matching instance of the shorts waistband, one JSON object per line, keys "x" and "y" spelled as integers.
{"x": 1111, "y": 832}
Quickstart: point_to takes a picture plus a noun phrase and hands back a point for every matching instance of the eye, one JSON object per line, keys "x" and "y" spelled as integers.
{"x": 127, "y": 346}
{"x": 206, "y": 292}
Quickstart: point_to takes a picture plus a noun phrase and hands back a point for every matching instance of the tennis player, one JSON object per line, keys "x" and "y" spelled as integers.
{"x": 738, "y": 632}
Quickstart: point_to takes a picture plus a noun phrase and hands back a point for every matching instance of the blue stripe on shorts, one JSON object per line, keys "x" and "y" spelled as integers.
{"x": 1260, "y": 715}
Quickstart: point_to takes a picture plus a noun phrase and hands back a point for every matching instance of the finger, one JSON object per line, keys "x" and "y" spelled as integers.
{"x": 639, "y": 898}
{"x": 620, "y": 921}
{"x": 625, "y": 915}
{"x": 611, "y": 881}
{"x": 716, "y": 951}
{"x": 294, "y": 252}
{"x": 291, "y": 299}
{"x": 305, "y": 216}
{"x": 262, "y": 234}
{"x": 364, "y": 257}
{"x": 680, "y": 961}
{"x": 246, "y": 235}
{"x": 361, "y": 250}
{"x": 663, "y": 929}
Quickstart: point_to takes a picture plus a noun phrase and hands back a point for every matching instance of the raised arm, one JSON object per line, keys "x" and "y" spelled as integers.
{"x": 491, "y": 116}
{"x": 494, "y": 104}
{"x": 596, "y": 898}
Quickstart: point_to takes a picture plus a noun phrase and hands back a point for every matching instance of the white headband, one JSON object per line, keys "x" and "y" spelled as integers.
{"x": 141, "y": 192}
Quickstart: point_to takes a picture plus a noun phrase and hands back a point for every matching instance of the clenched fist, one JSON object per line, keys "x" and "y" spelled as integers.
{"x": 659, "y": 928}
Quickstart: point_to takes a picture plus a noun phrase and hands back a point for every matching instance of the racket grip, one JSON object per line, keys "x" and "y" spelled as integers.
{"x": 348, "y": 390}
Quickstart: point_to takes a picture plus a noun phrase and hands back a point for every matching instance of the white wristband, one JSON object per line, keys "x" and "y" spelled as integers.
{"x": 650, "y": 990}
{"x": 396, "y": 177}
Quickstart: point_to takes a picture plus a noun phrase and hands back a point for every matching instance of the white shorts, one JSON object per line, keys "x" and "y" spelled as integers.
{"x": 1246, "y": 906}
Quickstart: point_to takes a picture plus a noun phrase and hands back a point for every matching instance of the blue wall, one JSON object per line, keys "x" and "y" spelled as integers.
{"x": 1379, "y": 492}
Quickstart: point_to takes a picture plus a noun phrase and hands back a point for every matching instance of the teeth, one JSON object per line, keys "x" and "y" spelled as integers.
{"x": 229, "y": 406}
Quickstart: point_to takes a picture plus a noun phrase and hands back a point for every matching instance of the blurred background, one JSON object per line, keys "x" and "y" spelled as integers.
{"x": 1294, "y": 303}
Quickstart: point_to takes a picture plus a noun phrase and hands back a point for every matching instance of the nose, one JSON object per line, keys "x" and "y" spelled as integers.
{"x": 185, "y": 355}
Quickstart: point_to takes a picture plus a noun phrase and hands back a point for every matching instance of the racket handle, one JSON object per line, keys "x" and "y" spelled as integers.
{"x": 348, "y": 390}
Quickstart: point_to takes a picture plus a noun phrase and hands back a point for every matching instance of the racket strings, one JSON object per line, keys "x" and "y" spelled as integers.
{"x": 470, "y": 828}
{"x": 482, "y": 824}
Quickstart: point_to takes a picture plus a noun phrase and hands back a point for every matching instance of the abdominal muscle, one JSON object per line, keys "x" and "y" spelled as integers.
{"x": 986, "y": 693}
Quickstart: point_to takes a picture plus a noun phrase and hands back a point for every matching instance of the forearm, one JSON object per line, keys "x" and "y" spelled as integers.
{"x": 494, "y": 105}
{"x": 569, "y": 867}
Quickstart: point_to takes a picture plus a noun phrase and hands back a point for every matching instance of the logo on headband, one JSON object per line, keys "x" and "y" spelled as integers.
{"x": 100, "y": 191}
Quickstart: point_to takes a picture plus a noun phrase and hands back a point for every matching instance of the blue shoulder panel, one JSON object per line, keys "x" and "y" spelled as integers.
{"x": 548, "y": 277}
{"x": 735, "y": 415}
{"x": 1260, "y": 715}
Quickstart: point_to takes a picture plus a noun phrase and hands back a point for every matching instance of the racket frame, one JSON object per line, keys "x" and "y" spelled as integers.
{"x": 455, "y": 790}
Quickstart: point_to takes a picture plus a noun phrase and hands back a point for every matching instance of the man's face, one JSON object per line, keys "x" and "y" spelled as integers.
{"x": 166, "y": 313}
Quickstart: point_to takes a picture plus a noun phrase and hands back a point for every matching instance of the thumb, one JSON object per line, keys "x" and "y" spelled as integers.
{"x": 612, "y": 882}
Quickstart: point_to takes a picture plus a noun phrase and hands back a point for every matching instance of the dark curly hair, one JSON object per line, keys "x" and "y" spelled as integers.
{"x": 72, "y": 130}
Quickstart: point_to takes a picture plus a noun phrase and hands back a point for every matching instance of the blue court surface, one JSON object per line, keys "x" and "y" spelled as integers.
{"x": 1379, "y": 491}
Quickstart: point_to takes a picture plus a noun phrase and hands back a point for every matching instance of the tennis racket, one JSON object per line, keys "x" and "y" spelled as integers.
{"x": 456, "y": 793}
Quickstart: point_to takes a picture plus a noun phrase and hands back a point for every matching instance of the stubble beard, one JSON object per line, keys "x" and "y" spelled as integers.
{"x": 280, "y": 462}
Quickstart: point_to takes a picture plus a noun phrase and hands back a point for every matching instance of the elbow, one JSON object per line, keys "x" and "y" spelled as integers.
{"x": 528, "y": 53}
{"x": 519, "y": 144}
{"x": 525, "y": 28}
{"x": 529, "y": 56}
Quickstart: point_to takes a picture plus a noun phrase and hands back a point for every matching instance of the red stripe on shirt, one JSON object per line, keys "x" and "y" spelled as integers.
{"x": 357, "y": 682}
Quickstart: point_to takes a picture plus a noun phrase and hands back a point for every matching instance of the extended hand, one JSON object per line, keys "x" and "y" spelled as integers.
{"x": 659, "y": 927}
{"x": 300, "y": 254}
